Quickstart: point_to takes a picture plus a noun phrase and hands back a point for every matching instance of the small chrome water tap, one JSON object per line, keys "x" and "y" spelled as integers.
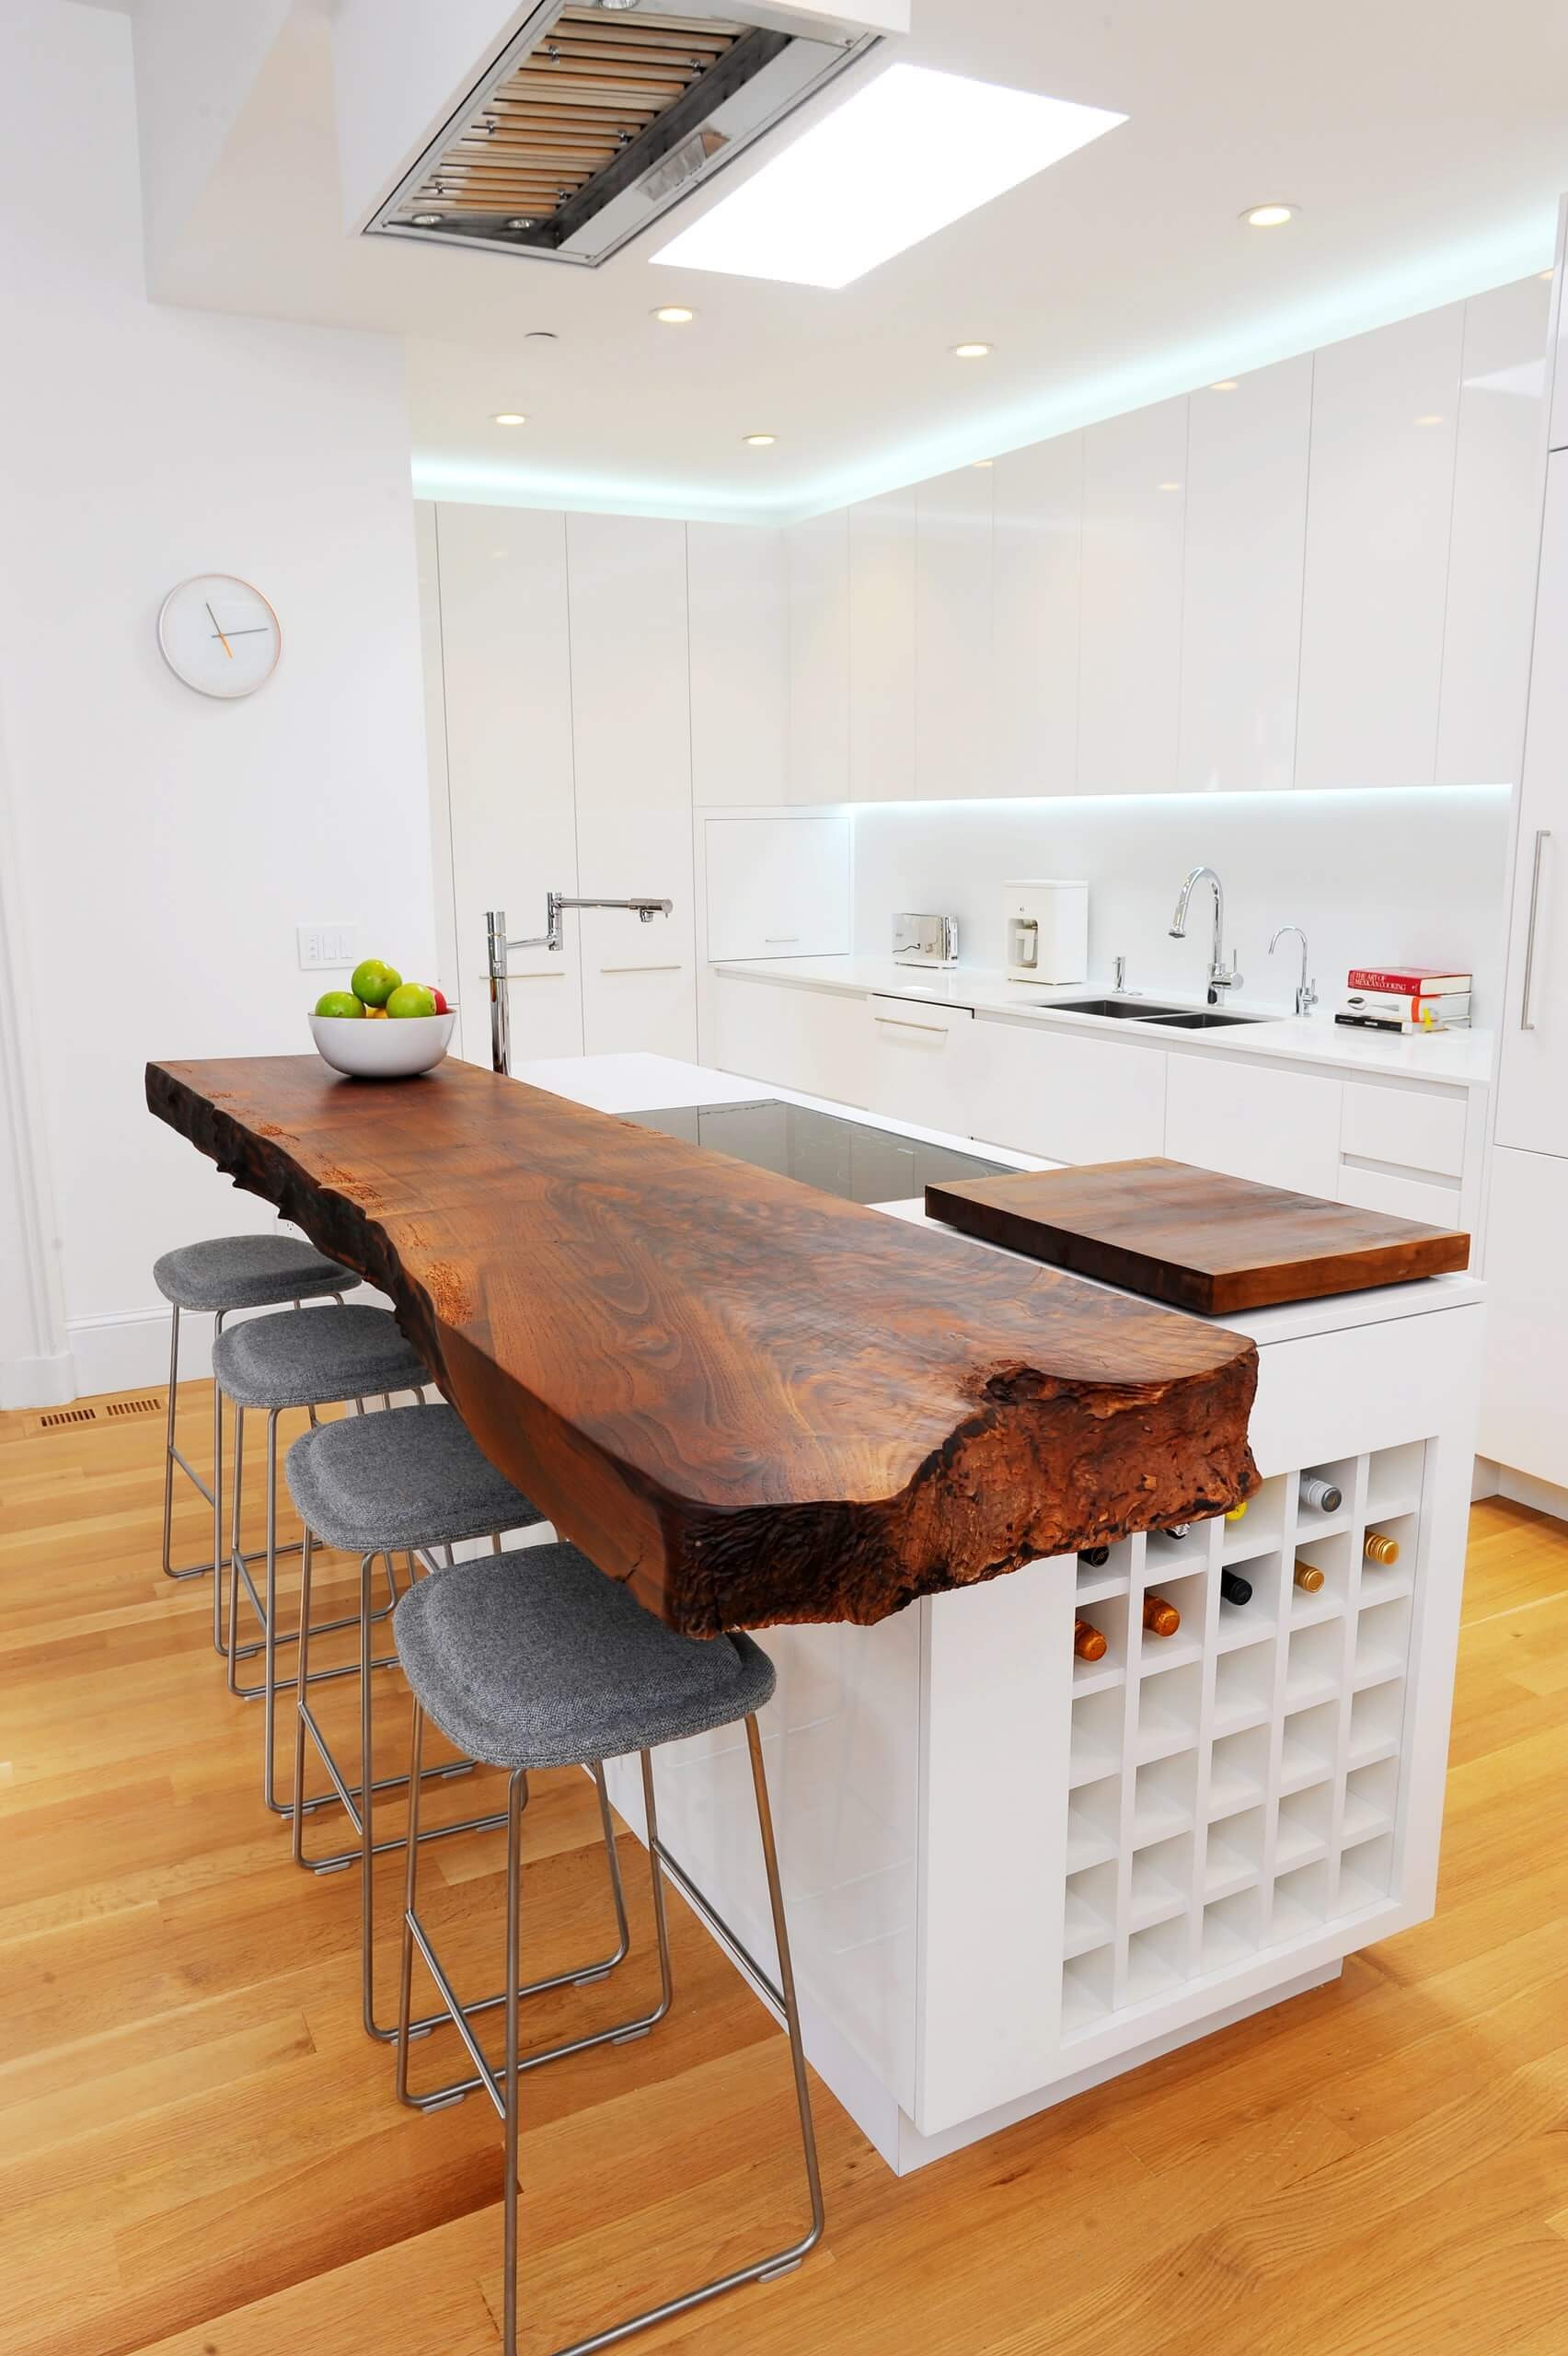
{"x": 1221, "y": 976}
{"x": 1306, "y": 991}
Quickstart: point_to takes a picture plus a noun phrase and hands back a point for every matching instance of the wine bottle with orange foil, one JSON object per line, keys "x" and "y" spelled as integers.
{"x": 1308, "y": 1579}
{"x": 1089, "y": 1642}
{"x": 1379, "y": 1549}
{"x": 1159, "y": 1617}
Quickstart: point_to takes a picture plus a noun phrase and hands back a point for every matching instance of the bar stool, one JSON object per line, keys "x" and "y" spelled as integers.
{"x": 380, "y": 1485}
{"x": 224, "y": 1274}
{"x": 273, "y": 1364}
{"x": 552, "y": 1668}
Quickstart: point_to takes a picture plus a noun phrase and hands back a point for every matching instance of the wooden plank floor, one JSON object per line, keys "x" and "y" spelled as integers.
{"x": 201, "y": 2154}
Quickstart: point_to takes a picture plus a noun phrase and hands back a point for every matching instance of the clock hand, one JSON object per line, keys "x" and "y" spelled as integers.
{"x": 252, "y": 629}
{"x": 222, "y": 640}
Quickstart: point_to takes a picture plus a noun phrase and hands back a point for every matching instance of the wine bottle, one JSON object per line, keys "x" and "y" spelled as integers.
{"x": 1094, "y": 1558}
{"x": 1177, "y": 1530}
{"x": 1309, "y": 1578}
{"x": 1235, "y": 1589}
{"x": 1088, "y": 1641}
{"x": 1325, "y": 1495}
{"x": 1379, "y": 1549}
{"x": 1238, "y": 1513}
{"x": 1161, "y": 1618}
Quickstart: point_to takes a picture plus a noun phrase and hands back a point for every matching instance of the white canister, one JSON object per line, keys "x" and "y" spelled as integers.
{"x": 1045, "y": 923}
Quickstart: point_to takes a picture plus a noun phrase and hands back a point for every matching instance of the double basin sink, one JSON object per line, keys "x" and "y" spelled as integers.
{"x": 1133, "y": 1009}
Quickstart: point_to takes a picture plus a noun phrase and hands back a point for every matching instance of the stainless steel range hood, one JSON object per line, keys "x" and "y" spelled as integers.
{"x": 600, "y": 116}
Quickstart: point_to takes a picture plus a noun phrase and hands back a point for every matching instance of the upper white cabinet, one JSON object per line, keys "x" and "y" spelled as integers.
{"x": 1133, "y": 504}
{"x": 1247, "y": 453}
{"x": 1384, "y": 422}
{"x": 1492, "y": 544}
{"x": 1037, "y": 566}
{"x": 506, "y": 660}
{"x": 882, "y": 648}
{"x": 952, "y": 635}
{"x": 631, "y": 718}
{"x": 738, "y": 615}
{"x": 818, "y": 559}
{"x": 778, "y": 887}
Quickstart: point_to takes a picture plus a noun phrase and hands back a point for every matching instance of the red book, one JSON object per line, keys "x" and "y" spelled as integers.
{"x": 1407, "y": 981}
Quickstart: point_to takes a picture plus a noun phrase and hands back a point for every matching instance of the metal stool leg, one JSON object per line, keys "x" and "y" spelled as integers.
{"x": 173, "y": 1457}
{"x": 461, "y": 2016}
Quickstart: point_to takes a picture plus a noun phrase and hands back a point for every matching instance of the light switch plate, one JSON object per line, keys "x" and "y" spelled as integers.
{"x": 326, "y": 945}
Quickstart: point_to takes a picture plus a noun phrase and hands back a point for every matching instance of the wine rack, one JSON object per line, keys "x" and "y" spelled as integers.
{"x": 1235, "y": 1788}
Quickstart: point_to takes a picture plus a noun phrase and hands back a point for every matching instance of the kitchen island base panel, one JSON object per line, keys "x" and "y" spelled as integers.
{"x": 1013, "y": 1874}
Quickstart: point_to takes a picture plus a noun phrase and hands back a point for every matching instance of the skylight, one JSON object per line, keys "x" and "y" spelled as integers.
{"x": 907, "y": 154}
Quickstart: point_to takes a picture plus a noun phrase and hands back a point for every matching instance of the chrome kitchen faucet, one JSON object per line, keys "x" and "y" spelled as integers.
{"x": 498, "y": 947}
{"x": 1221, "y": 976}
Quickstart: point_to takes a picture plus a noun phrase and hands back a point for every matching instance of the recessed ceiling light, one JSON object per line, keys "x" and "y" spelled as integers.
{"x": 674, "y": 315}
{"x": 759, "y": 440}
{"x": 425, "y": 220}
{"x": 509, "y": 417}
{"x": 521, "y": 221}
{"x": 1431, "y": 418}
{"x": 971, "y": 350}
{"x": 907, "y": 154}
{"x": 1168, "y": 486}
{"x": 1226, "y": 385}
{"x": 1268, "y": 216}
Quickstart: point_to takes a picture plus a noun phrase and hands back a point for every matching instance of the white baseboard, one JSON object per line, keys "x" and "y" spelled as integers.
{"x": 1486, "y": 1479}
{"x": 1524, "y": 1489}
{"x": 38, "y": 1382}
{"x": 128, "y": 1350}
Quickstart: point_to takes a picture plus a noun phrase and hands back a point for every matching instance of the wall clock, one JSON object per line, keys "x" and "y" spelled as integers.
{"x": 219, "y": 635}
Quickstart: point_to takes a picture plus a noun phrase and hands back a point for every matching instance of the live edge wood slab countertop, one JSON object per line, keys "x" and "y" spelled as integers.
{"x": 1195, "y": 1238}
{"x": 753, "y": 1401}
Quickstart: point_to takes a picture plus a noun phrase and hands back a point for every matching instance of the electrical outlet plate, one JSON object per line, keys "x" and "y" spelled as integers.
{"x": 324, "y": 945}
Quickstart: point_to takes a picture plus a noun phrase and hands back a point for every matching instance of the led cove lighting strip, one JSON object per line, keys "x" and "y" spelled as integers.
{"x": 905, "y": 156}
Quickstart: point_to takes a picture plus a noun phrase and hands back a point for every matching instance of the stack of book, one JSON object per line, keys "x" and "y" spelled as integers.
{"x": 1405, "y": 998}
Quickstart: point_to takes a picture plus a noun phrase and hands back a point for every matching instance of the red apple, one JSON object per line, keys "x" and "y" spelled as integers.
{"x": 439, "y": 998}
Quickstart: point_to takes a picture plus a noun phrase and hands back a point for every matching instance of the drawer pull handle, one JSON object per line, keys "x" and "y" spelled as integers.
{"x": 1527, "y": 1020}
{"x": 777, "y": 940}
{"x": 674, "y": 968}
{"x": 897, "y": 1022}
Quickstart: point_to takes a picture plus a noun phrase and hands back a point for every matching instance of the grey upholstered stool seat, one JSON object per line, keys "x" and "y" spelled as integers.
{"x": 536, "y": 1659}
{"x": 311, "y": 1361}
{"x": 222, "y": 1274}
{"x": 413, "y": 1478}
{"x": 375, "y": 1486}
{"x": 248, "y": 1271}
{"x": 533, "y": 1659}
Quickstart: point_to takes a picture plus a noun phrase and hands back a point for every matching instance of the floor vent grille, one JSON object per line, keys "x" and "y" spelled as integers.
{"x": 59, "y": 1418}
{"x": 149, "y": 1406}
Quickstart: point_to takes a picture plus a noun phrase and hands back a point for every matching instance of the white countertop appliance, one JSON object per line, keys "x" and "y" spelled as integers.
{"x": 1046, "y": 924}
{"x": 924, "y": 940}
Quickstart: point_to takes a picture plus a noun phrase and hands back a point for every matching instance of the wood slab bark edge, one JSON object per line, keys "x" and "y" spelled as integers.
{"x": 1196, "y": 1239}
{"x": 750, "y": 1401}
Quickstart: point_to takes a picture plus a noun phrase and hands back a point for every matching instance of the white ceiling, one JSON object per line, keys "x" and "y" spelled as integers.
{"x": 1424, "y": 146}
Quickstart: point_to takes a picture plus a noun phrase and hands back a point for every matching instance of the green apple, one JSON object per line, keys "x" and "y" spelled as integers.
{"x": 410, "y": 998}
{"x": 340, "y": 1002}
{"x": 375, "y": 982}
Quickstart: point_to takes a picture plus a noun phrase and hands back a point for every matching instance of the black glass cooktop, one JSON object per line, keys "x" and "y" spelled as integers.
{"x": 824, "y": 1150}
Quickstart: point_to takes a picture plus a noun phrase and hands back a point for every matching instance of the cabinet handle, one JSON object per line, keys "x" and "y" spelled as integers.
{"x": 674, "y": 968}
{"x": 895, "y": 1022}
{"x": 774, "y": 939}
{"x": 1526, "y": 1022}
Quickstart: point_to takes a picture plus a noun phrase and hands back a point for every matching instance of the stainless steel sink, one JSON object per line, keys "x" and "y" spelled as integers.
{"x": 1116, "y": 1009}
{"x": 1205, "y": 1020}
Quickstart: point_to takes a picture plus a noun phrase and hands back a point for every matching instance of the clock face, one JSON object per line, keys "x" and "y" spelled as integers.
{"x": 219, "y": 635}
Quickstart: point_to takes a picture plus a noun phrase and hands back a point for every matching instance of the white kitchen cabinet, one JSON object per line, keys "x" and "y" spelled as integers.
{"x": 632, "y": 717}
{"x": 1130, "y": 667}
{"x": 882, "y": 648}
{"x": 1037, "y": 565}
{"x": 919, "y": 1062}
{"x": 1526, "y": 1315}
{"x": 786, "y": 1036}
{"x": 1246, "y": 535}
{"x": 952, "y": 636}
{"x": 778, "y": 887}
{"x": 738, "y": 619}
{"x": 1493, "y": 543}
{"x": 507, "y": 670}
{"x": 818, "y": 555}
{"x": 1065, "y": 1095}
{"x": 1254, "y": 1121}
{"x": 1418, "y": 1129}
{"x": 448, "y": 970}
{"x": 1378, "y": 519}
{"x": 1532, "y": 1086}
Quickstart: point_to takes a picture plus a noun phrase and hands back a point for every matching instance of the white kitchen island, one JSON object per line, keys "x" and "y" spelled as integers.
{"x": 1013, "y": 1873}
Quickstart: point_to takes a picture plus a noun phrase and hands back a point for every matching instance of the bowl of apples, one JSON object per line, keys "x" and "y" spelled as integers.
{"x": 382, "y": 1027}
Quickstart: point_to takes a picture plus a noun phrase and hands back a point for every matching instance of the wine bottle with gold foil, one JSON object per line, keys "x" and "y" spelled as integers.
{"x": 1308, "y": 1579}
{"x": 1160, "y": 1617}
{"x": 1379, "y": 1549}
{"x": 1089, "y": 1642}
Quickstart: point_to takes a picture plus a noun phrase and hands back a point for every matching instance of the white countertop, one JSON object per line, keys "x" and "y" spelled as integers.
{"x": 1458, "y": 1058}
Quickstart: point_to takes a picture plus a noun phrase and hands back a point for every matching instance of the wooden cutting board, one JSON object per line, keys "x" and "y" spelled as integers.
{"x": 1194, "y": 1238}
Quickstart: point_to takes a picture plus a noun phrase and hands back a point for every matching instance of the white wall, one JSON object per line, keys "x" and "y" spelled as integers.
{"x": 167, "y": 845}
{"x": 1375, "y": 877}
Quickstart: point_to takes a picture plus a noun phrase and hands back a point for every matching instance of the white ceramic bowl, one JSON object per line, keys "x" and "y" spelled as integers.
{"x": 377, "y": 1050}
